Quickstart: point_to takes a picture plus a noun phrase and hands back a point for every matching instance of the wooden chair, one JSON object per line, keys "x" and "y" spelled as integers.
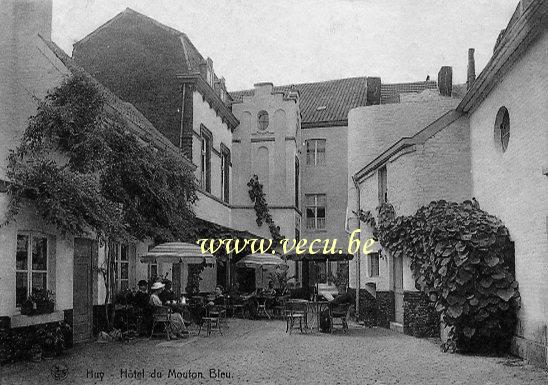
{"x": 261, "y": 307}
{"x": 161, "y": 316}
{"x": 340, "y": 312}
{"x": 211, "y": 322}
{"x": 219, "y": 311}
{"x": 296, "y": 310}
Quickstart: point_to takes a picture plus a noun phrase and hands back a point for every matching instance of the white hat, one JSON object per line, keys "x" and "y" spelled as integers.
{"x": 157, "y": 285}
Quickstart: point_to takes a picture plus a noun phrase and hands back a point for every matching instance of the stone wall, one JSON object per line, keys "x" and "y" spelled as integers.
{"x": 419, "y": 316}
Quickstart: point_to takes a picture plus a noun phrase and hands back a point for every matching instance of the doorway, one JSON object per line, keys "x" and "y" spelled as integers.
{"x": 85, "y": 252}
{"x": 397, "y": 264}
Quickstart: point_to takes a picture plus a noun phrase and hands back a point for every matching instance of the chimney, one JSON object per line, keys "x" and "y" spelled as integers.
{"x": 445, "y": 80}
{"x": 373, "y": 91}
{"x": 471, "y": 73}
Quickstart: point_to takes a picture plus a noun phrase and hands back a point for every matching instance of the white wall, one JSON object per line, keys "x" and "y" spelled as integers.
{"x": 511, "y": 185}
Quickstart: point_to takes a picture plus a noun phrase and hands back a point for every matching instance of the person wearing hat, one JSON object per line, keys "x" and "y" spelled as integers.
{"x": 167, "y": 294}
{"x": 141, "y": 298}
{"x": 176, "y": 322}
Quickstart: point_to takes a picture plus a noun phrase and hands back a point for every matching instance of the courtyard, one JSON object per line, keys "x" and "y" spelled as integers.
{"x": 260, "y": 352}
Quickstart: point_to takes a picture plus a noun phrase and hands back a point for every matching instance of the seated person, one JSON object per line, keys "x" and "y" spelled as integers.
{"x": 176, "y": 323}
{"x": 343, "y": 298}
{"x": 167, "y": 294}
{"x": 141, "y": 297}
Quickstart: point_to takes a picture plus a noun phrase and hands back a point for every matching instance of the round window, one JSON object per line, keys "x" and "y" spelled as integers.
{"x": 502, "y": 129}
{"x": 263, "y": 120}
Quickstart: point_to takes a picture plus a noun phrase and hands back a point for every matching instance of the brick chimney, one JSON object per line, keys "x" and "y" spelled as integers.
{"x": 471, "y": 72}
{"x": 373, "y": 91}
{"x": 445, "y": 80}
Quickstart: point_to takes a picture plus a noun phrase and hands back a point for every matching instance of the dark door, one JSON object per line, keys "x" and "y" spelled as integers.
{"x": 398, "y": 289}
{"x": 85, "y": 251}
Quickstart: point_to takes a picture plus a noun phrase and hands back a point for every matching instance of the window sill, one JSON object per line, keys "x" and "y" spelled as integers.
{"x": 19, "y": 320}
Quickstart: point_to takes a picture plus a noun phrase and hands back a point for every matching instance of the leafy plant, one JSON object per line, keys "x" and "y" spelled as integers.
{"x": 85, "y": 172}
{"x": 462, "y": 258}
{"x": 341, "y": 278}
{"x": 194, "y": 278}
{"x": 261, "y": 208}
{"x": 280, "y": 278}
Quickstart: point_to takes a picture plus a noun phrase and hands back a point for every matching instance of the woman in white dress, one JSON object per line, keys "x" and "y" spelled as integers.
{"x": 176, "y": 323}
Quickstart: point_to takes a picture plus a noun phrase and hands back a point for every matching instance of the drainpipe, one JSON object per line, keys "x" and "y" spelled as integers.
{"x": 358, "y": 267}
{"x": 181, "y": 133}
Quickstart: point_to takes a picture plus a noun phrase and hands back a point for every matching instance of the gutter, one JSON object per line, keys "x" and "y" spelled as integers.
{"x": 358, "y": 264}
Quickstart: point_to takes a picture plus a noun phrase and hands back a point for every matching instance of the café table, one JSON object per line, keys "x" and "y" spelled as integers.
{"x": 316, "y": 308}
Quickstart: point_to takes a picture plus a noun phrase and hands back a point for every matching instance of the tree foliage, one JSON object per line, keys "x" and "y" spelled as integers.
{"x": 85, "y": 171}
{"x": 462, "y": 258}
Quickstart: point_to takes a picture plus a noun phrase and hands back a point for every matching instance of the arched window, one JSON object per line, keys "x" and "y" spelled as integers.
{"x": 262, "y": 118}
{"x": 502, "y": 128}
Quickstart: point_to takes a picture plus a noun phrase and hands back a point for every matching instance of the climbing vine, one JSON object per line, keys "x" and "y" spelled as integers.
{"x": 261, "y": 208}
{"x": 85, "y": 171}
{"x": 462, "y": 259}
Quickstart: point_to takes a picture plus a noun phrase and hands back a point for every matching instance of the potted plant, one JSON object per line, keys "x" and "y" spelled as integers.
{"x": 43, "y": 300}
{"x": 36, "y": 353}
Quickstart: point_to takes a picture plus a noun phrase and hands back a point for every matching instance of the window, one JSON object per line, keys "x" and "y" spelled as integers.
{"x": 374, "y": 264}
{"x": 315, "y": 211}
{"x": 262, "y": 118}
{"x": 502, "y": 128}
{"x": 152, "y": 268}
{"x": 205, "y": 161}
{"x": 383, "y": 194}
{"x": 297, "y": 182}
{"x": 225, "y": 174}
{"x": 315, "y": 152}
{"x": 120, "y": 255}
{"x": 31, "y": 266}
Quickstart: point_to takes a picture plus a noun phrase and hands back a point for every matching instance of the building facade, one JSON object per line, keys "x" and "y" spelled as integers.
{"x": 416, "y": 151}
{"x": 508, "y": 111}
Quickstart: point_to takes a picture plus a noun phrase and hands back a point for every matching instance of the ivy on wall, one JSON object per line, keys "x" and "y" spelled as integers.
{"x": 462, "y": 259}
{"x": 261, "y": 208}
{"x": 85, "y": 170}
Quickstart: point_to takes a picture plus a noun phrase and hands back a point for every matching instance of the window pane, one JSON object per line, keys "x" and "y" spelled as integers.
{"x": 124, "y": 285}
{"x": 310, "y": 213}
{"x": 320, "y": 213}
{"x": 321, "y": 223}
{"x": 321, "y": 200}
{"x": 311, "y": 223}
{"x": 320, "y": 145}
{"x": 152, "y": 271}
{"x": 124, "y": 252}
{"x": 310, "y": 200}
{"x": 124, "y": 270}
{"x": 39, "y": 281}
{"x": 22, "y": 252}
{"x": 374, "y": 265}
{"x": 20, "y": 288}
{"x": 39, "y": 253}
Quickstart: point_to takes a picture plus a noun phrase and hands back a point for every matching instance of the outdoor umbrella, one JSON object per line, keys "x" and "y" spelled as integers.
{"x": 259, "y": 260}
{"x": 178, "y": 253}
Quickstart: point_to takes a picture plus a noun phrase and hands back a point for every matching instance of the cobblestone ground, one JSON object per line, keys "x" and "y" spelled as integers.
{"x": 260, "y": 352}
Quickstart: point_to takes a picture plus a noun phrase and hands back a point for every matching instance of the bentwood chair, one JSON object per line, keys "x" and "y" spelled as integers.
{"x": 296, "y": 310}
{"x": 161, "y": 316}
{"x": 340, "y": 312}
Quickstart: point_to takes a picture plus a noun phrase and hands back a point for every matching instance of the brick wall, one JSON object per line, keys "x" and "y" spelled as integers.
{"x": 419, "y": 318}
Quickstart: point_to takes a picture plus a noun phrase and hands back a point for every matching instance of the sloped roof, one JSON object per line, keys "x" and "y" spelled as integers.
{"x": 142, "y": 127}
{"x": 330, "y": 101}
{"x": 337, "y": 96}
{"x": 529, "y": 21}
{"x": 193, "y": 58}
